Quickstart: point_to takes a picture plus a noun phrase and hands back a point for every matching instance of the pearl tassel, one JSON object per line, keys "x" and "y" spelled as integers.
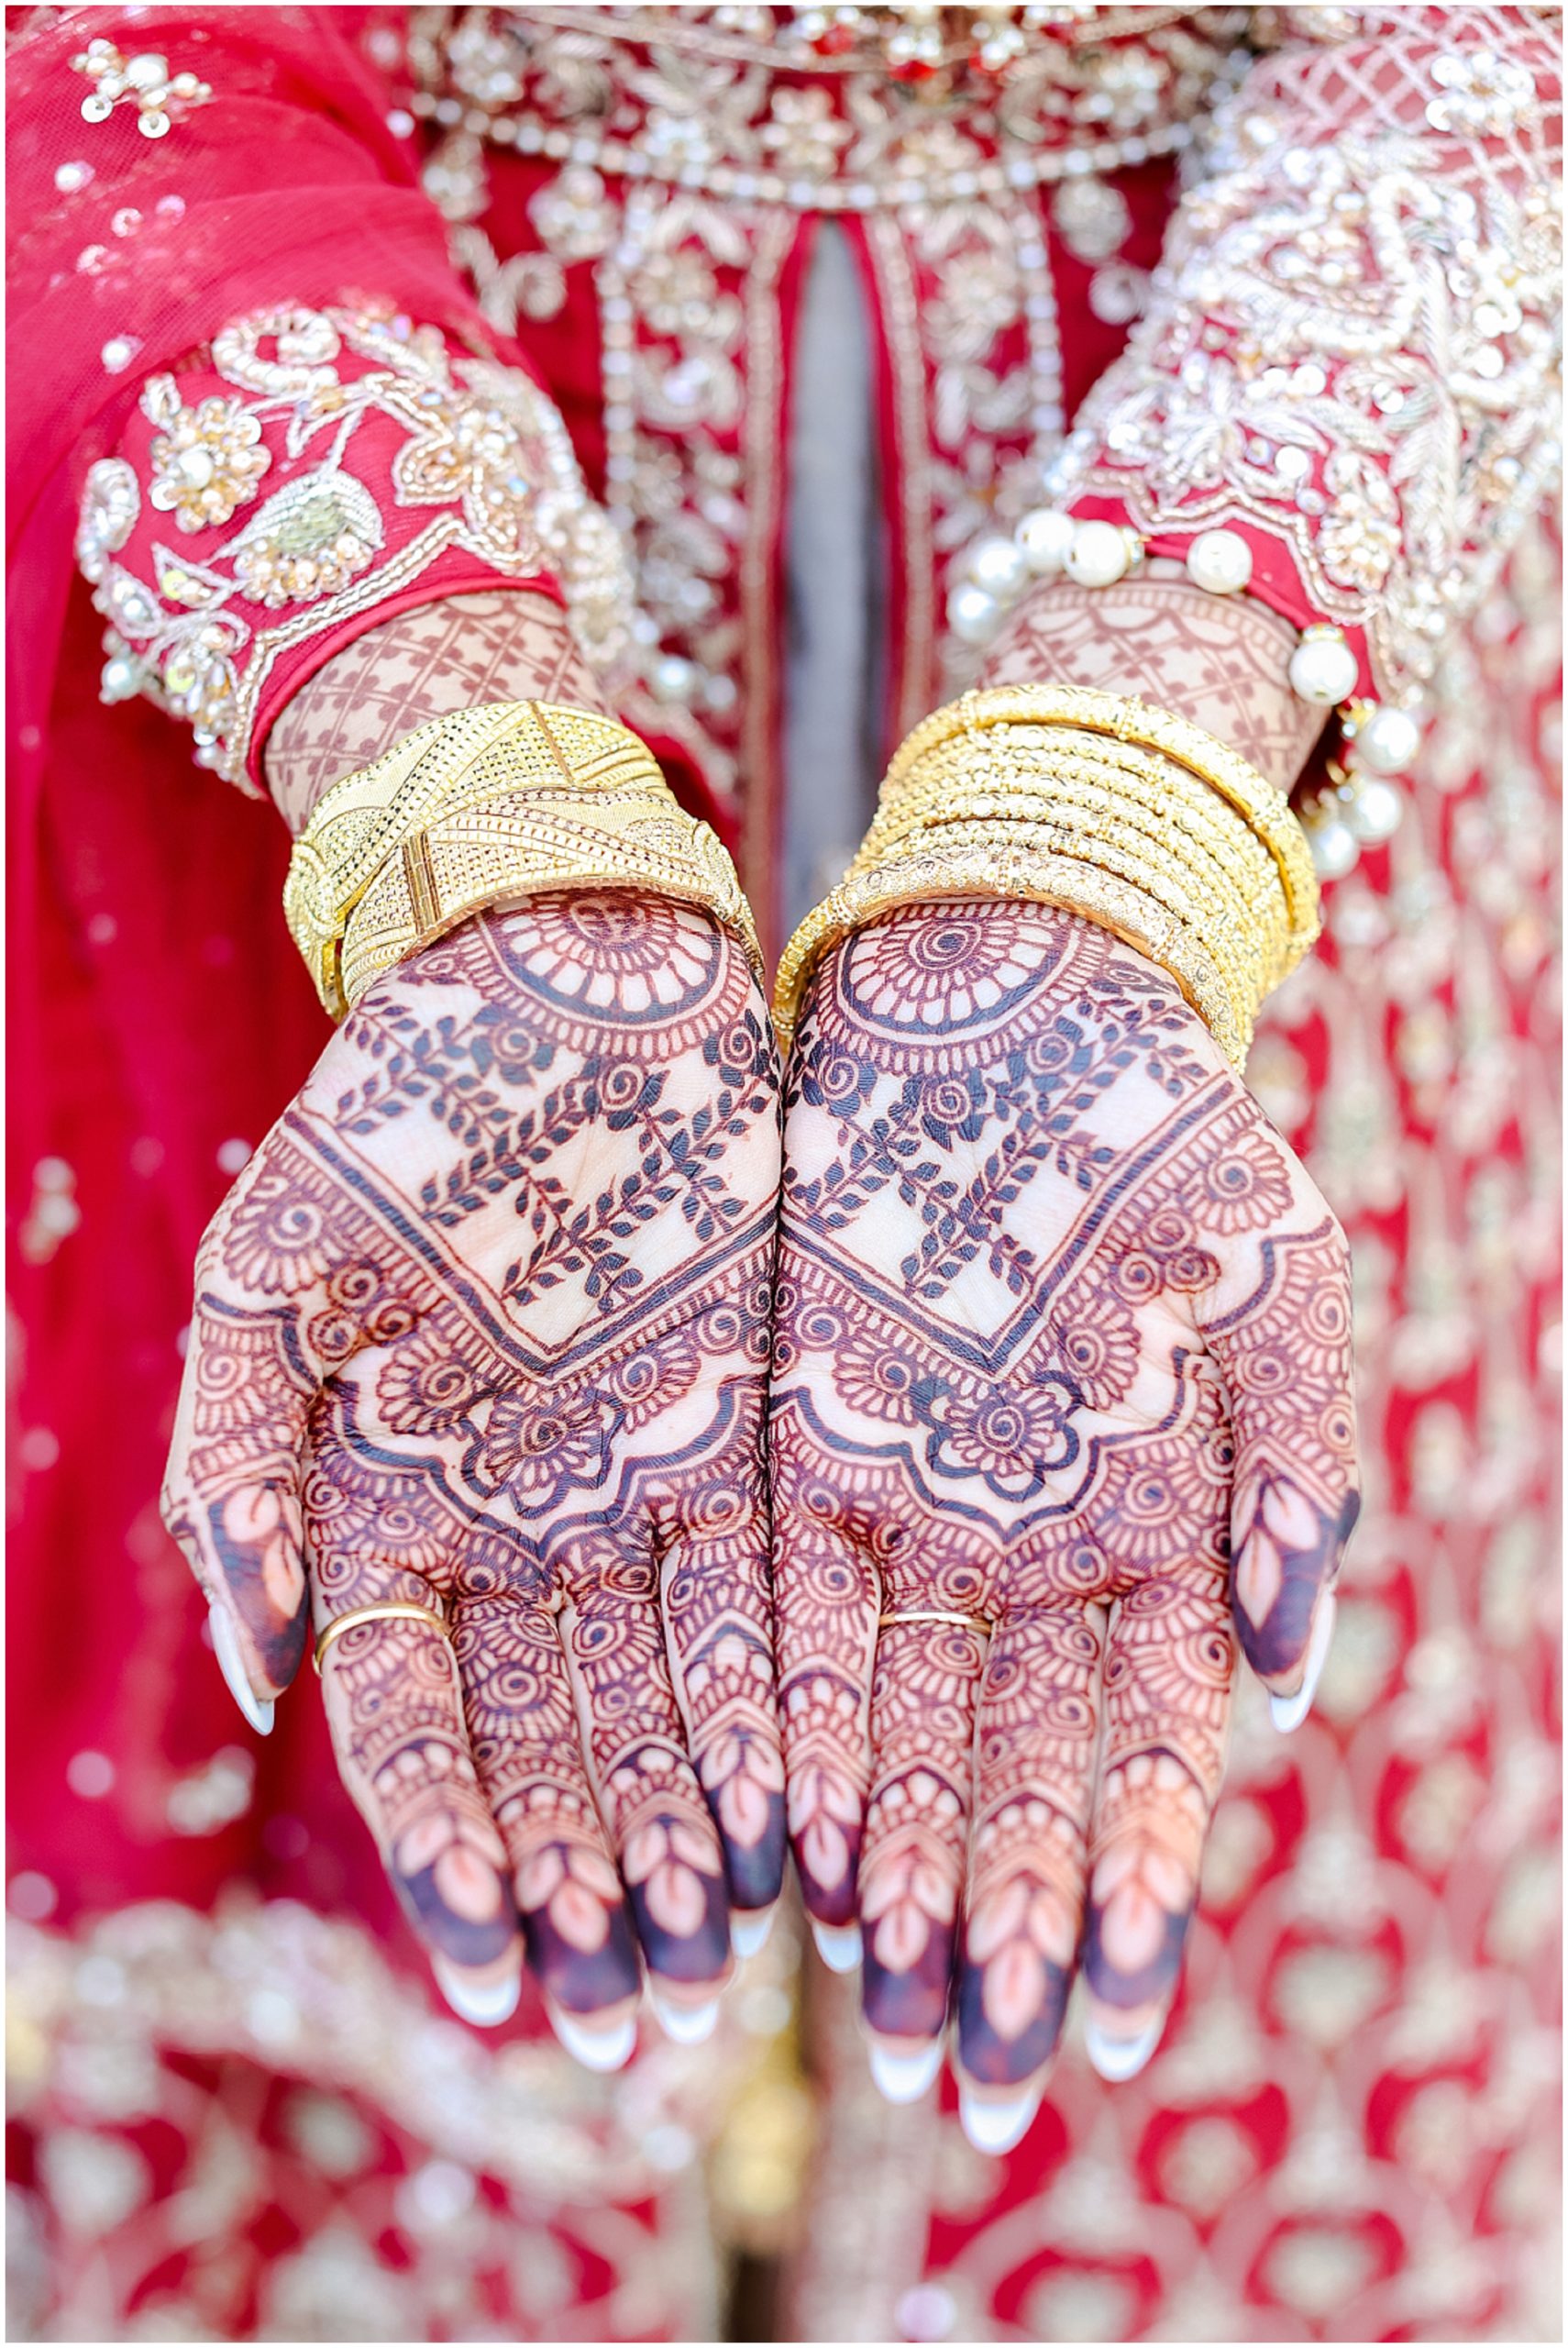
{"x": 1322, "y": 667}
{"x": 1361, "y": 808}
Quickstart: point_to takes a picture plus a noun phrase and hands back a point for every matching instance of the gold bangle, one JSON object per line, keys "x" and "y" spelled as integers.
{"x": 1128, "y": 718}
{"x": 1075, "y": 799}
{"x": 1137, "y": 786}
{"x": 1186, "y": 856}
{"x": 495, "y": 857}
{"x": 995, "y": 869}
{"x": 486, "y": 807}
{"x": 390, "y": 1609}
{"x": 1199, "y": 836}
{"x": 1132, "y": 817}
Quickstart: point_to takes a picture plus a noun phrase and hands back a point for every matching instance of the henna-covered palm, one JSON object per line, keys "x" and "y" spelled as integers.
{"x": 1062, "y": 1345}
{"x": 483, "y": 1325}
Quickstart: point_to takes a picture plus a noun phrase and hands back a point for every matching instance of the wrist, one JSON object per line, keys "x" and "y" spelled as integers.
{"x": 1221, "y": 662}
{"x": 482, "y": 808}
{"x": 1116, "y": 808}
{"x": 500, "y": 645}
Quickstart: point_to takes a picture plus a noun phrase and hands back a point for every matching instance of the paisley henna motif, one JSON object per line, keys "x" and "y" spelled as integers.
{"x": 484, "y": 1325}
{"x": 1062, "y": 1345}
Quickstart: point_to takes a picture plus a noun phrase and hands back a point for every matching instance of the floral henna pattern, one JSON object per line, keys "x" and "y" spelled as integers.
{"x": 484, "y": 1326}
{"x": 1061, "y": 1348}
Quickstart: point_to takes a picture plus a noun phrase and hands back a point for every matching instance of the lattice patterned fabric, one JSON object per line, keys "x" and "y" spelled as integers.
{"x": 1353, "y": 347}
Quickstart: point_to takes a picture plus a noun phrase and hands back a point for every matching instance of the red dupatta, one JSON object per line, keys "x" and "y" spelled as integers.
{"x": 160, "y": 1017}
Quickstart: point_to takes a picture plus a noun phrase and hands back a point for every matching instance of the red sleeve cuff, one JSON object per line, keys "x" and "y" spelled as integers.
{"x": 453, "y": 572}
{"x": 1277, "y": 580}
{"x": 312, "y": 474}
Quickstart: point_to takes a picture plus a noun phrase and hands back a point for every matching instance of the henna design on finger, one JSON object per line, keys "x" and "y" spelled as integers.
{"x": 1288, "y": 1345}
{"x": 654, "y": 1811}
{"x": 1061, "y": 1327}
{"x": 1038, "y": 1725}
{"x": 911, "y": 1869}
{"x": 243, "y": 1409}
{"x": 523, "y": 1730}
{"x": 722, "y": 1655}
{"x": 488, "y": 1314}
{"x": 394, "y": 1703}
{"x": 827, "y": 1636}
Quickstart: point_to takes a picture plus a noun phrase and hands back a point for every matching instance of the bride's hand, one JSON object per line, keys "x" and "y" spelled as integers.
{"x": 483, "y": 1326}
{"x": 1062, "y": 1349}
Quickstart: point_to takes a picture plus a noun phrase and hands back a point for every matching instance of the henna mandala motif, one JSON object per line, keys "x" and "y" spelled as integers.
{"x": 1062, "y": 1345}
{"x": 484, "y": 1326}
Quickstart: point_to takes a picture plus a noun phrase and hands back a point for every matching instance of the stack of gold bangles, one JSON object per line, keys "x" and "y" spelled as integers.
{"x": 1135, "y": 818}
{"x": 1103, "y": 806}
{"x": 485, "y": 808}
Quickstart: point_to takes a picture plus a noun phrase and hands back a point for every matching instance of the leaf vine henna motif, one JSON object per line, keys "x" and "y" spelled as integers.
{"x": 483, "y": 1326}
{"x": 1061, "y": 1350}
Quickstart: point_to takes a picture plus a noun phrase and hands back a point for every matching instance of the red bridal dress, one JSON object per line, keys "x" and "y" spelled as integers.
{"x": 732, "y": 328}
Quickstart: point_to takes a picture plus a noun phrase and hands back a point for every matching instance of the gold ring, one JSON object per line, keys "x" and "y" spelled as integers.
{"x": 390, "y": 1609}
{"x": 937, "y": 1614}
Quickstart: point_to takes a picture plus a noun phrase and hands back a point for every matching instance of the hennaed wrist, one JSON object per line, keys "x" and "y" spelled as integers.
{"x": 482, "y": 809}
{"x": 1104, "y": 806}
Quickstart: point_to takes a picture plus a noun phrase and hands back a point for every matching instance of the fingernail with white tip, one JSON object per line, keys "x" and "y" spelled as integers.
{"x": 1290, "y": 1711}
{"x": 996, "y": 2127}
{"x": 226, "y": 1646}
{"x": 747, "y": 1932}
{"x": 904, "y": 2077}
{"x": 596, "y": 2049}
{"x": 688, "y": 2025}
{"x": 1121, "y": 2058}
{"x": 484, "y": 2003}
{"x": 838, "y": 1945}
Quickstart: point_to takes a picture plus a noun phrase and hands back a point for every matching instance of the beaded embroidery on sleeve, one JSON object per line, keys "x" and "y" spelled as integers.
{"x": 314, "y": 465}
{"x": 1353, "y": 342}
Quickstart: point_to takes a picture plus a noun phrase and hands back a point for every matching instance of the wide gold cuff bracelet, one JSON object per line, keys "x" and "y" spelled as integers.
{"x": 1103, "y": 806}
{"x": 483, "y": 809}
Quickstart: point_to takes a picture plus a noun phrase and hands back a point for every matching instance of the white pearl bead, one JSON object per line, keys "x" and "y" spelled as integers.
{"x": 1098, "y": 556}
{"x": 195, "y": 466}
{"x": 1046, "y": 540}
{"x": 118, "y": 681}
{"x": 997, "y": 565}
{"x": 972, "y": 615}
{"x": 1387, "y": 743}
{"x": 1376, "y": 812}
{"x": 148, "y": 71}
{"x": 1335, "y": 848}
{"x": 1219, "y": 561}
{"x": 673, "y": 678}
{"x": 1322, "y": 667}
